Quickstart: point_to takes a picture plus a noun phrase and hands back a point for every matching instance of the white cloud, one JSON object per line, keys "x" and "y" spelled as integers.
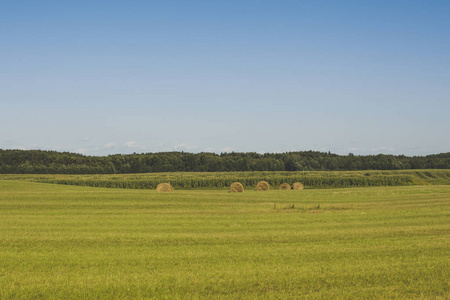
{"x": 133, "y": 145}
{"x": 184, "y": 146}
{"x": 227, "y": 149}
{"x": 82, "y": 151}
{"x": 367, "y": 151}
{"x": 383, "y": 149}
{"x": 109, "y": 145}
{"x": 19, "y": 148}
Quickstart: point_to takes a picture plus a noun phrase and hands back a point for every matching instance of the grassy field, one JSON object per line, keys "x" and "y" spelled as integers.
{"x": 222, "y": 180}
{"x": 72, "y": 242}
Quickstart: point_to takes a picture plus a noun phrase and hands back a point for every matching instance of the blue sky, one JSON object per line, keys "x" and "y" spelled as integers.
{"x": 103, "y": 77}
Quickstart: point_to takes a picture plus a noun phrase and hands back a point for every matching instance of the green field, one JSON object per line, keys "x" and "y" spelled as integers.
{"x": 222, "y": 180}
{"x": 71, "y": 242}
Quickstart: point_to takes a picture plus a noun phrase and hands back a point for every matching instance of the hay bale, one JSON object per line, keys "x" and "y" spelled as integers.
{"x": 297, "y": 186}
{"x": 164, "y": 187}
{"x": 262, "y": 186}
{"x": 236, "y": 187}
{"x": 285, "y": 186}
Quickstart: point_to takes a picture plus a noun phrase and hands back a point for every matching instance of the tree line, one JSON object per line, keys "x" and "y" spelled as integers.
{"x": 53, "y": 162}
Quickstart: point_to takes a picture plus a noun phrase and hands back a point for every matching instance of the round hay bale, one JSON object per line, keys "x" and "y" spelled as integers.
{"x": 236, "y": 187}
{"x": 297, "y": 186}
{"x": 164, "y": 187}
{"x": 285, "y": 186}
{"x": 262, "y": 186}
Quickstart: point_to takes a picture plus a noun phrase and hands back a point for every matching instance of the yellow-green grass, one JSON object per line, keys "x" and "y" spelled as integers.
{"x": 222, "y": 180}
{"x": 70, "y": 242}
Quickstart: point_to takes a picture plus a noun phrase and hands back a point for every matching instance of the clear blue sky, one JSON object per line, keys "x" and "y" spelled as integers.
{"x": 102, "y": 77}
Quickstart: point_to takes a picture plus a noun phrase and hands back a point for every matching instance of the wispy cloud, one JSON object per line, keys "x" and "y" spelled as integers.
{"x": 370, "y": 150}
{"x": 82, "y": 150}
{"x": 133, "y": 145}
{"x": 185, "y": 146}
{"x": 227, "y": 149}
{"x": 109, "y": 145}
{"x": 19, "y": 147}
{"x": 382, "y": 149}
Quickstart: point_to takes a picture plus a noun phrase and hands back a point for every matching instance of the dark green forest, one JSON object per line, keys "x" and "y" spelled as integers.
{"x": 53, "y": 162}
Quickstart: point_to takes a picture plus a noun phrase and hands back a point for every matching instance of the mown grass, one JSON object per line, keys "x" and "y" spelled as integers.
{"x": 222, "y": 180}
{"x": 69, "y": 242}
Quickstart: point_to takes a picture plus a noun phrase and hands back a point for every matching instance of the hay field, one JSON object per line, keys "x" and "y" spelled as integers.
{"x": 72, "y": 242}
{"x": 223, "y": 180}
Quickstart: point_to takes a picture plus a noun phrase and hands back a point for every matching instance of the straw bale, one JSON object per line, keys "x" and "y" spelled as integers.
{"x": 262, "y": 186}
{"x": 164, "y": 187}
{"x": 236, "y": 187}
{"x": 297, "y": 186}
{"x": 285, "y": 186}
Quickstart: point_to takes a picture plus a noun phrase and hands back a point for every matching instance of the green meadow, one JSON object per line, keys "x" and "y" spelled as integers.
{"x": 72, "y": 242}
{"x": 222, "y": 180}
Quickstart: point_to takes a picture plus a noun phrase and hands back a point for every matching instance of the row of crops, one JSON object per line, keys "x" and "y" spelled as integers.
{"x": 222, "y": 180}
